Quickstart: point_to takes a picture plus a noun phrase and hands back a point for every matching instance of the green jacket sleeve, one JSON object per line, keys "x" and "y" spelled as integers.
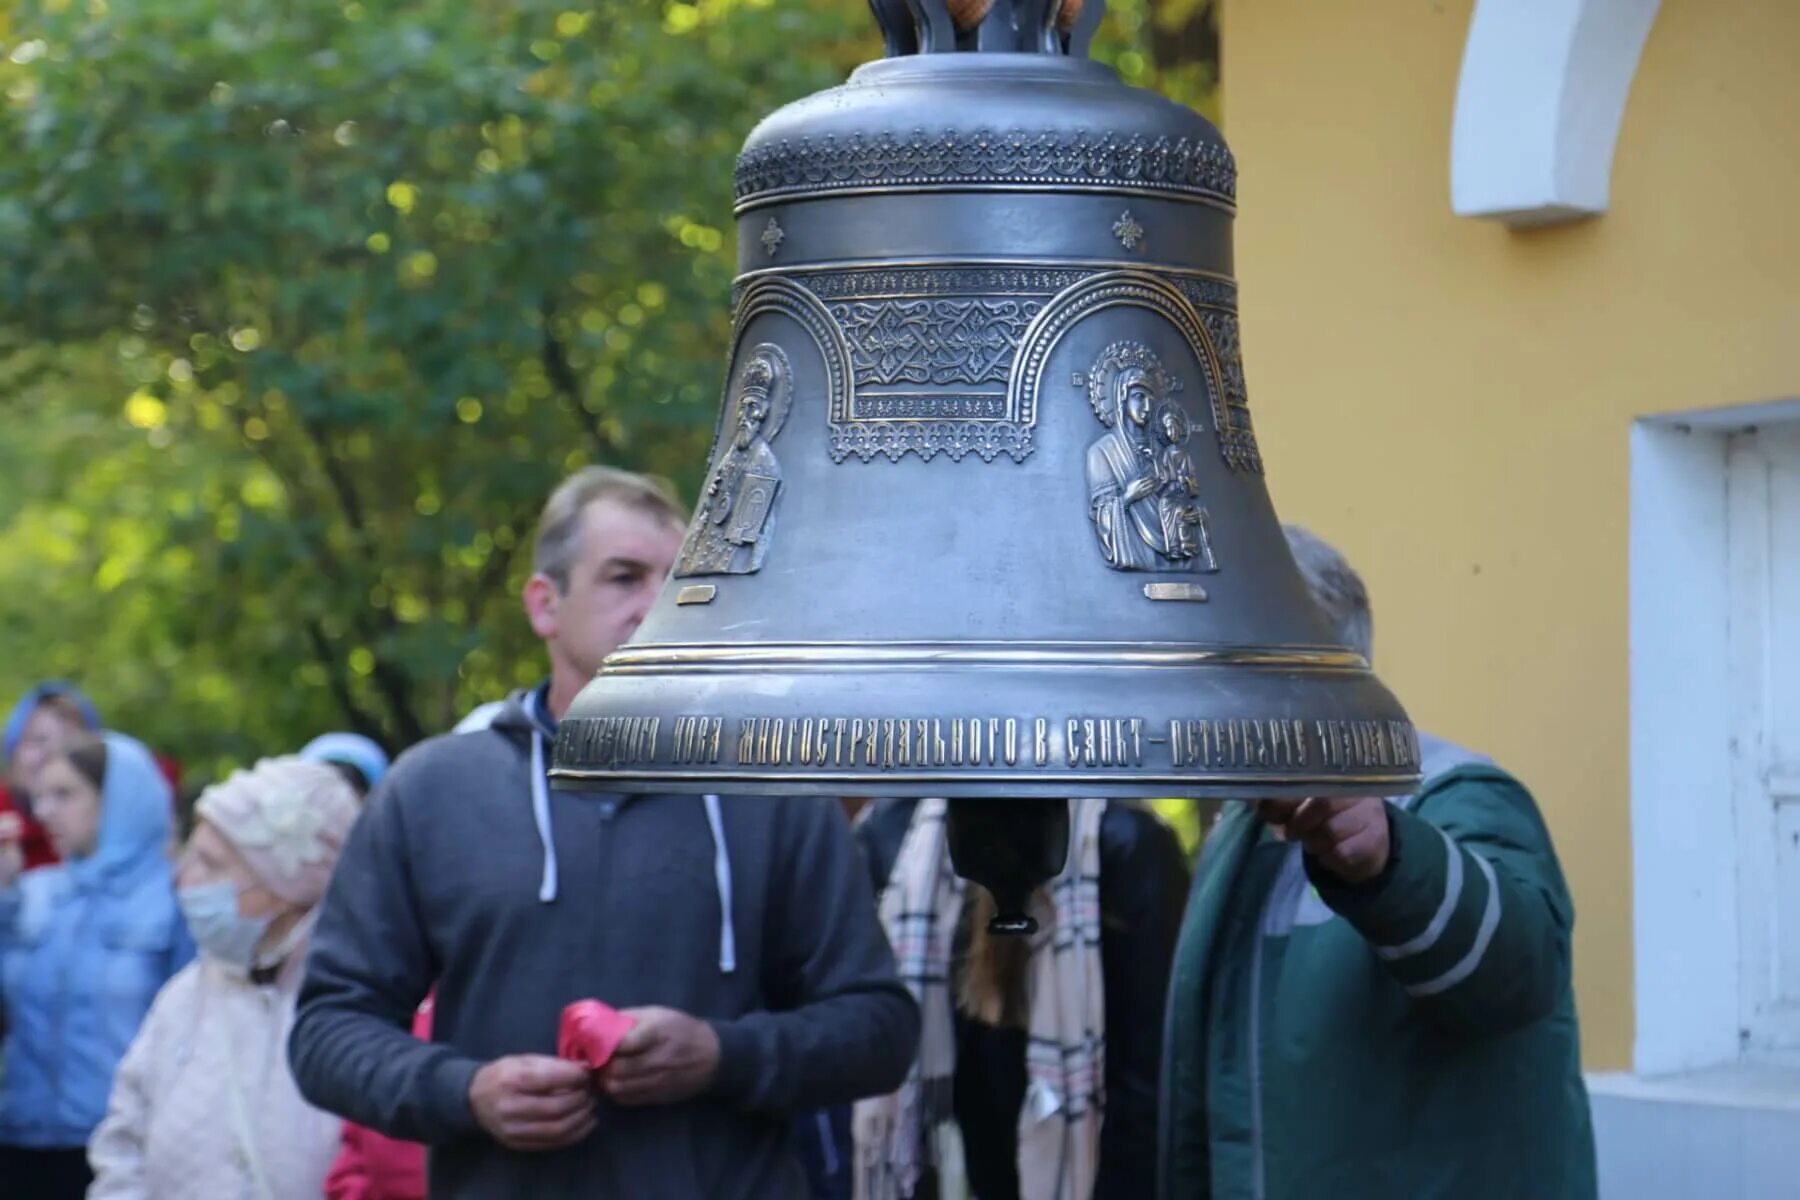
{"x": 1472, "y": 916}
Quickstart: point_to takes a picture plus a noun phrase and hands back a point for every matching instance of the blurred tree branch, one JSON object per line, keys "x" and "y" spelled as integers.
{"x": 297, "y": 303}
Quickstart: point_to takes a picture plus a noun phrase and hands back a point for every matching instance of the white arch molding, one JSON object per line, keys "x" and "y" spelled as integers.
{"x": 1538, "y": 106}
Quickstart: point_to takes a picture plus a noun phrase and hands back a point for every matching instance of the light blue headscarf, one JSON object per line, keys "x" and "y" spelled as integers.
{"x": 28, "y": 704}
{"x": 136, "y": 817}
{"x": 351, "y": 750}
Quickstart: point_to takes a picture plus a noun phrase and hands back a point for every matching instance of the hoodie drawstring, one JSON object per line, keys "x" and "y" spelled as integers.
{"x": 722, "y": 878}
{"x": 540, "y": 812}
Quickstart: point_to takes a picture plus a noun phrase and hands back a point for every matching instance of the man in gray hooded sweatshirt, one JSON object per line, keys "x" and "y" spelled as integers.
{"x": 741, "y": 937}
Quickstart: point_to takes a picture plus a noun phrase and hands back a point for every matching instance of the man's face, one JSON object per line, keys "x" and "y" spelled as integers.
{"x": 46, "y": 731}
{"x": 621, "y": 559}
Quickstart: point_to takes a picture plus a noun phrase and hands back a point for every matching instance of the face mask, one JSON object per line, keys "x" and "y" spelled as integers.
{"x": 211, "y": 911}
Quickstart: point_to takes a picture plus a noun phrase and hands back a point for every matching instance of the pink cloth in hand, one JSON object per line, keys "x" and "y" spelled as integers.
{"x": 590, "y": 1032}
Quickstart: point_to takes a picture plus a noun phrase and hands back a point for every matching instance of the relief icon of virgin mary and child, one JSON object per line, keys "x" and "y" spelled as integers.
{"x": 1143, "y": 488}
{"x": 731, "y": 527}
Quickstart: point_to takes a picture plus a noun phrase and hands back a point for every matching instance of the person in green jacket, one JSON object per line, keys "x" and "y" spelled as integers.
{"x": 1372, "y": 998}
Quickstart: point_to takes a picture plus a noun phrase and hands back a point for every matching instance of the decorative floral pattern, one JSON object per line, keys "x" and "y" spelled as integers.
{"x": 1237, "y": 441}
{"x": 1179, "y": 166}
{"x": 914, "y": 282}
{"x": 955, "y": 440}
{"x": 959, "y": 328}
{"x": 1128, "y": 231}
{"x": 933, "y": 341}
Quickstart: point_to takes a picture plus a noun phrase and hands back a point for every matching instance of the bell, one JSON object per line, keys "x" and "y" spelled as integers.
{"x": 985, "y": 515}
{"x": 1009, "y": 849}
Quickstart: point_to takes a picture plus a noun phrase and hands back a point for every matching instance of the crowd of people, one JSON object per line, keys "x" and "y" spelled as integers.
{"x": 147, "y": 979}
{"x": 347, "y": 980}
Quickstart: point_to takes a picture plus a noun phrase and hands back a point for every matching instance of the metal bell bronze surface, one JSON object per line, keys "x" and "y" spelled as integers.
{"x": 985, "y": 514}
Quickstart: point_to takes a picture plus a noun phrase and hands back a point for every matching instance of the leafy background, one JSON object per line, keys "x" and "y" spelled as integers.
{"x": 305, "y": 308}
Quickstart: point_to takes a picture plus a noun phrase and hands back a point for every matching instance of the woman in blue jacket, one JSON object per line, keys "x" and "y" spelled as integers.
{"x": 84, "y": 947}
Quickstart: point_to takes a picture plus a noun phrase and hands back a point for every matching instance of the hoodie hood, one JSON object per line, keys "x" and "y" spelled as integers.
{"x": 136, "y": 816}
{"x": 524, "y": 712}
{"x": 525, "y": 717}
{"x": 480, "y": 717}
{"x": 28, "y": 704}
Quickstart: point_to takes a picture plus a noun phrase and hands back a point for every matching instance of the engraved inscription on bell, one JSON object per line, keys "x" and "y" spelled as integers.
{"x": 1143, "y": 487}
{"x": 901, "y": 744}
{"x": 732, "y": 524}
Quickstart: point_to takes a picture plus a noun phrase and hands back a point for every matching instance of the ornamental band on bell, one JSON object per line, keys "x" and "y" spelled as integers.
{"x": 947, "y": 359}
{"x": 950, "y": 361}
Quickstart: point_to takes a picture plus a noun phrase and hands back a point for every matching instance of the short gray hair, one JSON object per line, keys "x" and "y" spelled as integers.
{"x": 559, "y": 528}
{"x": 1336, "y": 588}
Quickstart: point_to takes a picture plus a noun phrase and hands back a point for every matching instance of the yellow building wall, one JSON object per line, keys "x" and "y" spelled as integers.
{"x": 1449, "y": 401}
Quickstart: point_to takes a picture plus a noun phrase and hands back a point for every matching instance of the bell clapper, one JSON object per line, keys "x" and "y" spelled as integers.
{"x": 1011, "y": 847}
{"x": 1007, "y": 924}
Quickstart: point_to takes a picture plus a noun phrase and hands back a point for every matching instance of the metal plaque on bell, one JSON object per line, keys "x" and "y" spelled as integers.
{"x": 985, "y": 515}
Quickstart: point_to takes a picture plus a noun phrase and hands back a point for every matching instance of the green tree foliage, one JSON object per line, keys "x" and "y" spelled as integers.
{"x": 304, "y": 309}
{"x": 347, "y": 291}
{"x": 1170, "y": 46}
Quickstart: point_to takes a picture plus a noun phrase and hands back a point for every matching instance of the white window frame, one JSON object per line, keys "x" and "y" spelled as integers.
{"x": 1766, "y": 789}
{"x": 1698, "y": 854}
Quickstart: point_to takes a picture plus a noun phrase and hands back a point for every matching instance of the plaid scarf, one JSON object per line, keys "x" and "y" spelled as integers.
{"x": 1059, "y": 1122}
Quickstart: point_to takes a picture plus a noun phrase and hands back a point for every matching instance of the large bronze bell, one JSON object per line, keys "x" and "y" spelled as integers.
{"x": 985, "y": 514}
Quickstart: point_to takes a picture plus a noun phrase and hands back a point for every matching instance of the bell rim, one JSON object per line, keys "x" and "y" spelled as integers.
{"x": 1221, "y": 785}
{"x": 656, "y": 658}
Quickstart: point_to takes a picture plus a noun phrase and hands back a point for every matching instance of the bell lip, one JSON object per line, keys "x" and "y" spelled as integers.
{"x": 1022, "y": 785}
{"x": 1248, "y": 721}
{"x": 673, "y": 658}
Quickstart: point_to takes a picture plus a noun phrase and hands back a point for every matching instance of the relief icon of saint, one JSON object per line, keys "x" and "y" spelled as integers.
{"x": 731, "y": 528}
{"x": 1143, "y": 487}
{"x": 1185, "y": 536}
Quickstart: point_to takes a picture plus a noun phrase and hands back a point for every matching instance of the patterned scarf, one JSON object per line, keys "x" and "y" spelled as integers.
{"x": 1065, "y": 1059}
